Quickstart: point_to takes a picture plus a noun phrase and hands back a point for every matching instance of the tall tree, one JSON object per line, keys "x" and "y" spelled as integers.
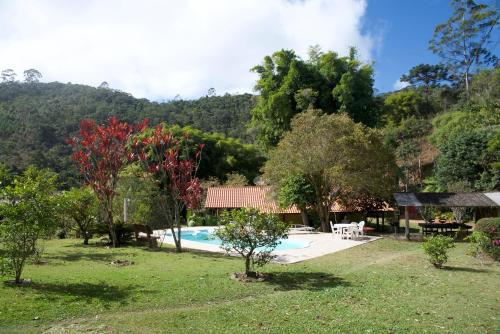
{"x": 167, "y": 159}
{"x": 8, "y": 75}
{"x": 32, "y": 75}
{"x": 463, "y": 42}
{"x": 342, "y": 160}
{"x": 101, "y": 152}
{"x": 426, "y": 75}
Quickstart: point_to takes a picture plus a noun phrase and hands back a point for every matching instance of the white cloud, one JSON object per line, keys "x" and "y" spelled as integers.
{"x": 157, "y": 49}
{"x": 399, "y": 85}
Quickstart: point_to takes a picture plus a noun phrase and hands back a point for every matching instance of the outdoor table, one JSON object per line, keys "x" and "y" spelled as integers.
{"x": 345, "y": 227}
{"x": 442, "y": 228}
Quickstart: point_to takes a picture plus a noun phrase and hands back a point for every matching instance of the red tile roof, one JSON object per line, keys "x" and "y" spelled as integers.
{"x": 244, "y": 197}
{"x": 252, "y": 197}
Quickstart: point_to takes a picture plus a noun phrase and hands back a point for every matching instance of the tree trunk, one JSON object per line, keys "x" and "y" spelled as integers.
{"x": 324, "y": 216}
{"x": 86, "y": 238}
{"x": 19, "y": 271}
{"x": 247, "y": 265}
{"x": 111, "y": 227}
{"x": 177, "y": 220}
{"x": 305, "y": 218}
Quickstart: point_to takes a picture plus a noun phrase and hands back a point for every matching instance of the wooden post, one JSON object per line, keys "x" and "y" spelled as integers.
{"x": 407, "y": 223}
{"x": 378, "y": 227}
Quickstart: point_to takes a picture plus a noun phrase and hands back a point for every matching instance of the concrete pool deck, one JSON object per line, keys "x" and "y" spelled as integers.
{"x": 319, "y": 244}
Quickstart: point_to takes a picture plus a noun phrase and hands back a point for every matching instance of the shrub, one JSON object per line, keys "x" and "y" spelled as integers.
{"x": 201, "y": 219}
{"x": 436, "y": 247}
{"x": 479, "y": 245}
{"x": 491, "y": 228}
{"x": 251, "y": 234}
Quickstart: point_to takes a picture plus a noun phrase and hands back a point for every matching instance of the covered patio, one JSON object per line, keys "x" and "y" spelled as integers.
{"x": 487, "y": 204}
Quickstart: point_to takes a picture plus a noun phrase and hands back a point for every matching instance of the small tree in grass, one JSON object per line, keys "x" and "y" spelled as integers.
{"x": 436, "y": 247}
{"x": 251, "y": 234}
{"x": 28, "y": 211}
{"x": 81, "y": 207}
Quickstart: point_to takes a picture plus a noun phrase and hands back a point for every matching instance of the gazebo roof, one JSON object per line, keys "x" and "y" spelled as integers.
{"x": 478, "y": 200}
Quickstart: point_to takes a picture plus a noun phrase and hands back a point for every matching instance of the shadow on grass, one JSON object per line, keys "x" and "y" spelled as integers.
{"x": 312, "y": 281}
{"x": 102, "y": 291}
{"x": 466, "y": 269}
{"x": 191, "y": 251}
{"x": 102, "y": 257}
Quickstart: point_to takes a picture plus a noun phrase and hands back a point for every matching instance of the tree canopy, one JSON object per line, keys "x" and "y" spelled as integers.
{"x": 341, "y": 159}
{"x": 288, "y": 85}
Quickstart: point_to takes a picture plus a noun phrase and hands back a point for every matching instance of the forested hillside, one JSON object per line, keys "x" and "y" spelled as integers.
{"x": 37, "y": 118}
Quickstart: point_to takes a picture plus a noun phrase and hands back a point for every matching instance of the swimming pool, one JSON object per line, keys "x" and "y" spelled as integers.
{"x": 205, "y": 236}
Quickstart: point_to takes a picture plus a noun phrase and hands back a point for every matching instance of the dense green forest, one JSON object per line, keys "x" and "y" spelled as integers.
{"x": 36, "y": 119}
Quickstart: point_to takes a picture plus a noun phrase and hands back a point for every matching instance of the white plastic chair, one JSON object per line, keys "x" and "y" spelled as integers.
{"x": 335, "y": 230}
{"x": 361, "y": 225}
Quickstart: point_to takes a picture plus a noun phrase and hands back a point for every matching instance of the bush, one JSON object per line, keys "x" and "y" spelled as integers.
{"x": 251, "y": 234}
{"x": 436, "y": 247}
{"x": 202, "y": 219}
{"x": 490, "y": 226}
{"x": 479, "y": 245}
{"x": 491, "y": 229}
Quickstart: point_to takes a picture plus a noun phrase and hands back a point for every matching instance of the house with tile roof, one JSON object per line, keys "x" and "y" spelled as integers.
{"x": 260, "y": 198}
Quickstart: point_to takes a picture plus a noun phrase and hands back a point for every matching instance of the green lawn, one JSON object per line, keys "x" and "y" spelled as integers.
{"x": 381, "y": 287}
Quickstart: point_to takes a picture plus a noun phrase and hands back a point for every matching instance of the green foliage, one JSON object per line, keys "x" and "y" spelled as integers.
{"x": 466, "y": 119}
{"x": 296, "y": 190}
{"x": 436, "y": 247}
{"x": 491, "y": 226}
{"x": 404, "y": 104}
{"x": 342, "y": 160}
{"x": 202, "y": 219}
{"x": 288, "y": 85}
{"x": 481, "y": 246}
{"x": 463, "y": 159}
{"x": 235, "y": 180}
{"x": 28, "y": 209}
{"x": 426, "y": 75}
{"x": 251, "y": 234}
{"x": 5, "y": 176}
{"x": 141, "y": 193}
{"x": 485, "y": 86}
{"x": 427, "y": 213}
{"x": 411, "y": 148}
{"x": 80, "y": 211}
{"x": 221, "y": 155}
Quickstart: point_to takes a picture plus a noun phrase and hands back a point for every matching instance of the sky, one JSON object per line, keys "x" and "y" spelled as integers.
{"x": 159, "y": 49}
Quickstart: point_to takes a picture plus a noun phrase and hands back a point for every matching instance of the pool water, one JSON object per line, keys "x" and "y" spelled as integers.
{"x": 206, "y": 237}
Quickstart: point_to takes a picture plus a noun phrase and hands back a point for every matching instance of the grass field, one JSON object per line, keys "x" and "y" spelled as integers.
{"x": 385, "y": 286}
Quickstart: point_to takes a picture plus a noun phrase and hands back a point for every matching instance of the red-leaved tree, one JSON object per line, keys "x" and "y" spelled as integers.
{"x": 101, "y": 152}
{"x": 168, "y": 160}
